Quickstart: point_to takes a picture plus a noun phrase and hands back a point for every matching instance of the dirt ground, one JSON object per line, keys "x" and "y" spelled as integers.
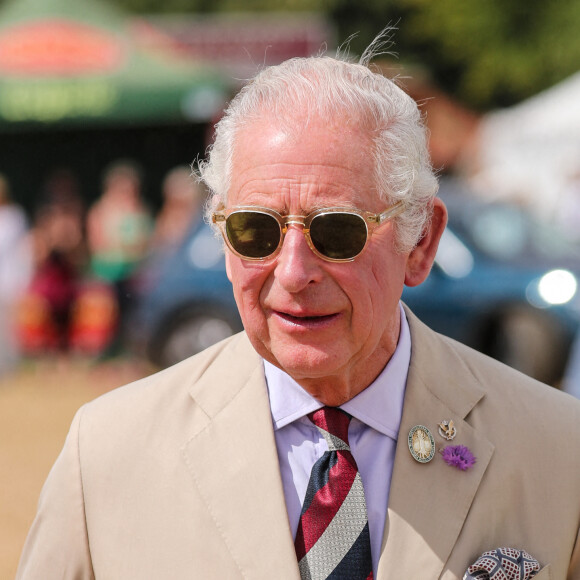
{"x": 37, "y": 403}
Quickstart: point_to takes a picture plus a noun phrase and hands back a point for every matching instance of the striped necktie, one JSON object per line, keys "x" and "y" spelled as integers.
{"x": 333, "y": 539}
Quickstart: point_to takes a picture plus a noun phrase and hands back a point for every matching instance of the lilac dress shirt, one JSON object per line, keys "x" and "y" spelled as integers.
{"x": 373, "y": 435}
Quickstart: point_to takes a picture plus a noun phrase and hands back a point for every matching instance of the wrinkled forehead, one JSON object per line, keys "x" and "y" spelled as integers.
{"x": 311, "y": 162}
{"x": 318, "y": 136}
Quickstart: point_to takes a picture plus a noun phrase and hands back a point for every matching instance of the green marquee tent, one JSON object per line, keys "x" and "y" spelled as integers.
{"x": 79, "y": 63}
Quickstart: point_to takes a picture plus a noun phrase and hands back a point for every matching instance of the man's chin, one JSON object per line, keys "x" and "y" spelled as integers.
{"x": 306, "y": 361}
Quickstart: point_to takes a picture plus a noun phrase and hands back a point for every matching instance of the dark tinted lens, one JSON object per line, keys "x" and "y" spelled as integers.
{"x": 253, "y": 234}
{"x": 340, "y": 236}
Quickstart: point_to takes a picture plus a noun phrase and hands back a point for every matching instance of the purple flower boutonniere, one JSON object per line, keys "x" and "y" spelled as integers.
{"x": 458, "y": 456}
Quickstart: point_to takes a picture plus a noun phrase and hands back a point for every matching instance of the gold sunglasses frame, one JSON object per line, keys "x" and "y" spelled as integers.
{"x": 371, "y": 220}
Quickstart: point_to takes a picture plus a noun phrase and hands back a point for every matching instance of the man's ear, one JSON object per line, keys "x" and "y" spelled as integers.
{"x": 422, "y": 256}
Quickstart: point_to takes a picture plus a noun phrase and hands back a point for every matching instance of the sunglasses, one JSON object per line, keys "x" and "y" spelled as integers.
{"x": 334, "y": 234}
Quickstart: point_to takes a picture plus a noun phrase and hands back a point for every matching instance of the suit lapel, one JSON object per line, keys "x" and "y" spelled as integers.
{"x": 245, "y": 495}
{"x": 429, "y": 502}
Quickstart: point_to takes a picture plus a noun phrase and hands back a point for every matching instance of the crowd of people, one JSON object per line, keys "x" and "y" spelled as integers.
{"x": 66, "y": 271}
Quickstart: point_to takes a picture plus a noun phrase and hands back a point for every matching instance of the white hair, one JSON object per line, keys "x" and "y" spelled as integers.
{"x": 329, "y": 88}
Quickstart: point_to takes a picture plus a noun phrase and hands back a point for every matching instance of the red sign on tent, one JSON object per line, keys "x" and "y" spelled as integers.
{"x": 59, "y": 47}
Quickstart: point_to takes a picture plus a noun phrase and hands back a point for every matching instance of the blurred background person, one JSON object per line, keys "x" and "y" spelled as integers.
{"x": 182, "y": 204}
{"x": 118, "y": 224}
{"x": 15, "y": 270}
{"x": 119, "y": 227}
{"x": 59, "y": 252}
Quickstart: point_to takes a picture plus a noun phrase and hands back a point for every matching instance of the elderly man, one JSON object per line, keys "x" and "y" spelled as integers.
{"x": 338, "y": 437}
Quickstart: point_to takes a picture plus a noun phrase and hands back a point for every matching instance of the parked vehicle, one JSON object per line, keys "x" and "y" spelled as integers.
{"x": 503, "y": 284}
{"x": 184, "y": 300}
{"x": 500, "y": 283}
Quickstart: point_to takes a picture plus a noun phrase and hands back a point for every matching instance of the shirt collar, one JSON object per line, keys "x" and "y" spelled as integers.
{"x": 379, "y": 406}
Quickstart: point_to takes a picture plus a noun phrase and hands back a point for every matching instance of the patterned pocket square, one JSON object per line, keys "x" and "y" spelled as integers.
{"x": 503, "y": 564}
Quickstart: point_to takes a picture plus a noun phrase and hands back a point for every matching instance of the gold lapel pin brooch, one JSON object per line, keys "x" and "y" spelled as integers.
{"x": 447, "y": 429}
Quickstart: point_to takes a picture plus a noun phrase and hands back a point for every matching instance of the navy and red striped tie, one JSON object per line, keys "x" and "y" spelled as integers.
{"x": 333, "y": 539}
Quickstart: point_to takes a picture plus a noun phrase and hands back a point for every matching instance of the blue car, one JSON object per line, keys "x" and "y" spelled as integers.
{"x": 183, "y": 301}
{"x": 500, "y": 283}
{"x": 503, "y": 284}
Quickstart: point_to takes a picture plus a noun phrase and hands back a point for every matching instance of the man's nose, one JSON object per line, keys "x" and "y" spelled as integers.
{"x": 297, "y": 264}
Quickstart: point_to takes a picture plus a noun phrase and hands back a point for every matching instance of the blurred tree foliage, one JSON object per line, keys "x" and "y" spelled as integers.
{"x": 487, "y": 53}
{"x": 492, "y": 53}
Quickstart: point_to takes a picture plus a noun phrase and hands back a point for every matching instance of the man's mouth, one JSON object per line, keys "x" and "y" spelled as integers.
{"x": 306, "y": 320}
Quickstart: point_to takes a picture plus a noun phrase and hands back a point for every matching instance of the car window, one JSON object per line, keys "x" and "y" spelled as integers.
{"x": 205, "y": 249}
{"x": 453, "y": 256}
{"x": 501, "y": 232}
{"x": 508, "y": 233}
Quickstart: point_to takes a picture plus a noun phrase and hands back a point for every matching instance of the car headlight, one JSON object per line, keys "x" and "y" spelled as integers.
{"x": 557, "y": 287}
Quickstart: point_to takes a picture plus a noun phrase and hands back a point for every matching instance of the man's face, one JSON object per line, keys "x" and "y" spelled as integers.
{"x": 331, "y": 326}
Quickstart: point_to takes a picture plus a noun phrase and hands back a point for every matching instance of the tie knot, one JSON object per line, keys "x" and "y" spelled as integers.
{"x": 333, "y": 423}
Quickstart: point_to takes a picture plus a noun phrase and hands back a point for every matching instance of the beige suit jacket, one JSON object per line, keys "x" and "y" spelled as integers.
{"x": 176, "y": 476}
